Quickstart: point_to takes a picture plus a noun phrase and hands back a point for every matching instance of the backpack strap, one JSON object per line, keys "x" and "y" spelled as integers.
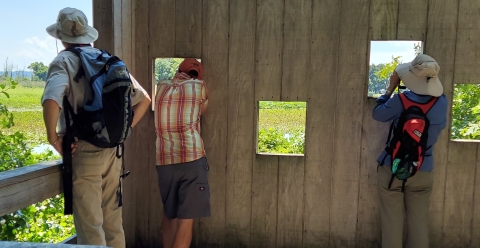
{"x": 67, "y": 173}
{"x": 425, "y": 107}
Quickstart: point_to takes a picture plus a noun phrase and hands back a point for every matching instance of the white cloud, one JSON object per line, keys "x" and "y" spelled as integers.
{"x": 32, "y": 49}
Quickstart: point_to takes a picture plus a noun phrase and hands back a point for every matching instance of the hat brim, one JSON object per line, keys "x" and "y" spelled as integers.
{"x": 419, "y": 85}
{"x": 89, "y": 37}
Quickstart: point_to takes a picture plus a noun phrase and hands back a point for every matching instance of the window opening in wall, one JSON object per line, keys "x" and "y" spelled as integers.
{"x": 164, "y": 69}
{"x": 466, "y": 112}
{"x": 281, "y": 127}
{"x": 384, "y": 57}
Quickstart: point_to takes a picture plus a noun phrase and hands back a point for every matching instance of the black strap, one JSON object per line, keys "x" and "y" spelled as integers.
{"x": 403, "y": 185}
{"x": 120, "y": 153}
{"x": 391, "y": 181}
{"x": 67, "y": 159}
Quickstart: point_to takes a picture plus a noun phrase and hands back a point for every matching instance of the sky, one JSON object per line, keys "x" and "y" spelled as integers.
{"x": 23, "y": 38}
{"x": 382, "y": 51}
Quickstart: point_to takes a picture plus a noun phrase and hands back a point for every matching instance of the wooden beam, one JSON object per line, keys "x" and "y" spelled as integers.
{"x": 28, "y": 185}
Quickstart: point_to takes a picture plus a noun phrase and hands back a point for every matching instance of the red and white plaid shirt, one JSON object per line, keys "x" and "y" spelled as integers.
{"x": 177, "y": 119}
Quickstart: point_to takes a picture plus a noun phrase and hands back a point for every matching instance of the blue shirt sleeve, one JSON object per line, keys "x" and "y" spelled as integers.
{"x": 387, "y": 108}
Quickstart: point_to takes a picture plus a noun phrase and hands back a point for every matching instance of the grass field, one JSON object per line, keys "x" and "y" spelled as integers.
{"x": 24, "y": 103}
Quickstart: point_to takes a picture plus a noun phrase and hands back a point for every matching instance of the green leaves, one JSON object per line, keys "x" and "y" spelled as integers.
{"x": 166, "y": 68}
{"x": 39, "y": 70}
{"x": 466, "y": 112}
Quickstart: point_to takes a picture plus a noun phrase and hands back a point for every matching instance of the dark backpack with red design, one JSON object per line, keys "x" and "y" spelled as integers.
{"x": 409, "y": 142}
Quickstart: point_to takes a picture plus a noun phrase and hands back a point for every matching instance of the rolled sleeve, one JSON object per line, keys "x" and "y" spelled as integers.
{"x": 387, "y": 108}
{"x": 57, "y": 83}
{"x": 138, "y": 93}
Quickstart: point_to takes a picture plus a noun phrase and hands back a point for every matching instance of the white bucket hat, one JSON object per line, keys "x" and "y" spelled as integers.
{"x": 421, "y": 76}
{"x": 72, "y": 27}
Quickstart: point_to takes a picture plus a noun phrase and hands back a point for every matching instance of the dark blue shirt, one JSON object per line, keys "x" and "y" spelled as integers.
{"x": 388, "y": 109}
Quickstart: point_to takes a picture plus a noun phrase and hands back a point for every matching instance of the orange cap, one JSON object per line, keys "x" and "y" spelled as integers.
{"x": 190, "y": 64}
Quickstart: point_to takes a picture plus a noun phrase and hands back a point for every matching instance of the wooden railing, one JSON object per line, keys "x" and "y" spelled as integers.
{"x": 28, "y": 185}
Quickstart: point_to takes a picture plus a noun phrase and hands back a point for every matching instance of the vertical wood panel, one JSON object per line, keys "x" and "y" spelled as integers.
{"x": 383, "y": 19}
{"x": 319, "y": 138}
{"x": 290, "y": 201}
{"x": 162, "y": 28}
{"x": 412, "y": 19}
{"x": 264, "y": 201}
{"x": 462, "y": 161}
{"x": 475, "y": 234}
{"x": 161, "y": 19}
{"x": 467, "y": 59}
{"x": 296, "y": 49}
{"x": 268, "y": 73}
{"x": 129, "y": 207}
{"x": 374, "y": 135}
{"x": 103, "y": 22}
{"x": 241, "y": 115}
{"x": 352, "y": 79}
{"x": 141, "y": 147}
{"x": 442, "y": 24}
{"x": 214, "y": 122}
{"x": 268, "y": 50}
{"x": 117, "y": 28}
{"x": 188, "y": 28}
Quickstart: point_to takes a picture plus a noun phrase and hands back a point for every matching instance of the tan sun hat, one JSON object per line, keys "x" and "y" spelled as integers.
{"x": 421, "y": 76}
{"x": 72, "y": 27}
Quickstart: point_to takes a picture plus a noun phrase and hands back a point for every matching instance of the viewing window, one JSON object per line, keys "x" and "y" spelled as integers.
{"x": 281, "y": 127}
{"x": 164, "y": 68}
{"x": 384, "y": 57}
{"x": 466, "y": 112}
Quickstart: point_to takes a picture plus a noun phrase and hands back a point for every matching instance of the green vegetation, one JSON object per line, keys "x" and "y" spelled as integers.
{"x": 21, "y": 127}
{"x": 281, "y": 127}
{"x": 466, "y": 112}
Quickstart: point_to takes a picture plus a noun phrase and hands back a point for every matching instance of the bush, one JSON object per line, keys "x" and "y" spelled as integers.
{"x": 40, "y": 222}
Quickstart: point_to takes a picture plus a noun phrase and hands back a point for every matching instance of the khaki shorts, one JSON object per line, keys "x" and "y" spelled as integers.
{"x": 184, "y": 189}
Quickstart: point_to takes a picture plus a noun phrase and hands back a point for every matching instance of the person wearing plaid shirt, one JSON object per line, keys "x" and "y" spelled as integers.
{"x": 181, "y": 161}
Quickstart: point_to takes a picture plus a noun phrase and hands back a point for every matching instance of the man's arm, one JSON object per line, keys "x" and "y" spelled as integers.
{"x": 140, "y": 109}
{"x": 388, "y": 108}
{"x": 51, "y": 113}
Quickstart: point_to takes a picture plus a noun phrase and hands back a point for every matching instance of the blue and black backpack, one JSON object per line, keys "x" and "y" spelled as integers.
{"x": 106, "y": 117}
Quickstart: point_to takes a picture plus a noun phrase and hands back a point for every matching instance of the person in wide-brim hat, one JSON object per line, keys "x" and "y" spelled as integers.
{"x": 421, "y": 76}
{"x": 72, "y": 27}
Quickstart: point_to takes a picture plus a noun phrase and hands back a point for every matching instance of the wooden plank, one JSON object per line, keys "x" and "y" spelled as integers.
{"x": 268, "y": 50}
{"x": 290, "y": 201}
{"x": 475, "y": 235}
{"x": 467, "y": 58}
{"x": 383, "y": 19}
{"x": 103, "y": 22}
{"x": 462, "y": 161}
{"x": 268, "y": 82}
{"x": 374, "y": 135}
{"x": 188, "y": 28}
{"x": 25, "y": 186}
{"x": 162, "y": 23}
{"x": 412, "y": 19}
{"x": 12, "y": 177}
{"x": 117, "y": 28}
{"x": 320, "y": 122}
{"x": 140, "y": 150}
{"x": 350, "y": 97}
{"x": 162, "y": 44}
{"x": 296, "y": 49}
{"x": 8, "y": 244}
{"x": 129, "y": 196}
{"x": 264, "y": 201}
{"x": 241, "y": 115}
{"x": 442, "y": 23}
{"x": 214, "y": 124}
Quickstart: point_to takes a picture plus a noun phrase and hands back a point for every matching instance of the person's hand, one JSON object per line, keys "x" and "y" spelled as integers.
{"x": 394, "y": 81}
{"x": 58, "y": 145}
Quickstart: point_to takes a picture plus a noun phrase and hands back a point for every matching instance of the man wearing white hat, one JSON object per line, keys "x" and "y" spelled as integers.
{"x": 96, "y": 171}
{"x": 413, "y": 197}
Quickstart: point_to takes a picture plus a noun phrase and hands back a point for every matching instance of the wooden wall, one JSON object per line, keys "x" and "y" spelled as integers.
{"x": 295, "y": 50}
